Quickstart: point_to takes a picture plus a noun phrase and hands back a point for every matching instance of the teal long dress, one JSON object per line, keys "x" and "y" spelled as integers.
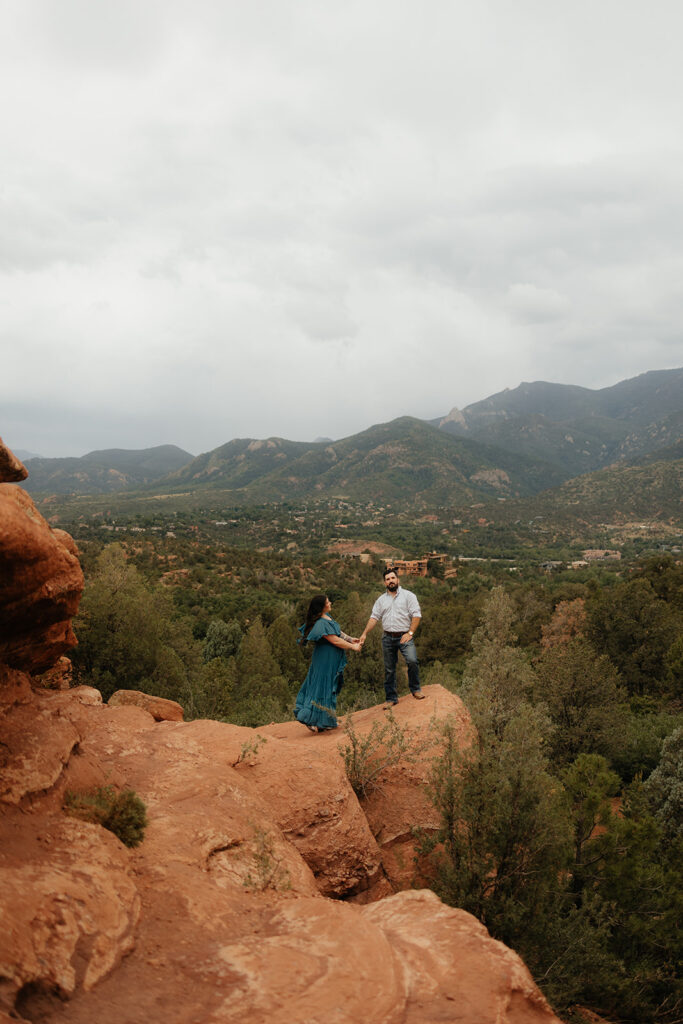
{"x": 316, "y": 701}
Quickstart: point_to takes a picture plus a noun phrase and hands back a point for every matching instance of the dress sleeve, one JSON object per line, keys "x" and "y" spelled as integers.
{"x": 322, "y": 628}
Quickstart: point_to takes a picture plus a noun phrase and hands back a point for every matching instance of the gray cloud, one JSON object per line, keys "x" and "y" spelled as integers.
{"x": 222, "y": 220}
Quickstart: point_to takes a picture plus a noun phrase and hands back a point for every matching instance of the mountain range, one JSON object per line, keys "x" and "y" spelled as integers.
{"x": 103, "y": 472}
{"x": 576, "y": 429}
{"x": 513, "y": 444}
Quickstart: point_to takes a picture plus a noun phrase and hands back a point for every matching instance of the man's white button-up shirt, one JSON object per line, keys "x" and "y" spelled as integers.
{"x": 396, "y": 613}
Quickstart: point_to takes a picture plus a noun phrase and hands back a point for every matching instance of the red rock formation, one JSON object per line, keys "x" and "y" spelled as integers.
{"x": 59, "y": 677}
{"x": 11, "y": 469}
{"x": 41, "y": 585}
{"x": 161, "y": 709}
{"x": 223, "y": 914}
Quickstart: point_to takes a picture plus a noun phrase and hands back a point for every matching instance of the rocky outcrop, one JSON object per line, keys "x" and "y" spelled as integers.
{"x": 221, "y": 914}
{"x": 11, "y": 469}
{"x": 242, "y": 901}
{"x": 58, "y": 677}
{"x": 161, "y": 709}
{"x": 41, "y": 585}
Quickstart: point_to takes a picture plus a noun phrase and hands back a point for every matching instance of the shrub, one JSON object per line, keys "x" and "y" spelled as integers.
{"x": 268, "y": 871}
{"x": 250, "y": 749}
{"x": 367, "y": 757}
{"x": 123, "y": 813}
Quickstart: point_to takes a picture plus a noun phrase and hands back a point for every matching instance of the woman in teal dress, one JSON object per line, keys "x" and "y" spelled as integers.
{"x": 316, "y": 701}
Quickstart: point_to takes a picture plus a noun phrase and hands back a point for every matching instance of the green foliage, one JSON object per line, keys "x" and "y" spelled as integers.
{"x": 589, "y": 785}
{"x": 504, "y": 835}
{"x": 260, "y": 692}
{"x": 437, "y": 674}
{"x": 635, "y": 628}
{"x": 645, "y": 731}
{"x": 287, "y": 653}
{"x": 129, "y": 635}
{"x": 222, "y": 639}
{"x": 210, "y": 693}
{"x": 587, "y": 706}
{"x": 664, "y": 788}
{"x": 366, "y": 758}
{"x": 122, "y": 813}
{"x": 498, "y": 677}
{"x": 249, "y": 750}
{"x": 639, "y": 874}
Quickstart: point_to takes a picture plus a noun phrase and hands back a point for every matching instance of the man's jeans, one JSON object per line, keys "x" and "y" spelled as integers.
{"x": 390, "y": 647}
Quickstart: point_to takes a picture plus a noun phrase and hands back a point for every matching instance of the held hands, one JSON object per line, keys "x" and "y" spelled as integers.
{"x": 357, "y": 647}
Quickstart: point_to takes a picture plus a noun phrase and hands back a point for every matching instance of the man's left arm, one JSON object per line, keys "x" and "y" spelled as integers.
{"x": 414, "y": 623}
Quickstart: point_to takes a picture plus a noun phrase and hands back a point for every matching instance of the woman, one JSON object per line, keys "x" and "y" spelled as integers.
{"x": 316, "y": 701}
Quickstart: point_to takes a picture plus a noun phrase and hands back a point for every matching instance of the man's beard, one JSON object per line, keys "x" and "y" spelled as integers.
{"x": 392, "y": 586}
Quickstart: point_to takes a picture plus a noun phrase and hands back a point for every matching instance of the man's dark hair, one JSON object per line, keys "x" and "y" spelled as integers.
{"x": 389, "y": 568}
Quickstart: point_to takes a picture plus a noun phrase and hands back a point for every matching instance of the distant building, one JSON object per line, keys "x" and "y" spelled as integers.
{"x": 416, "y": 566}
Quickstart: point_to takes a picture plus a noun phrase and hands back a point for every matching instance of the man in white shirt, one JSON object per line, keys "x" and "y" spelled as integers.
{"x": 399, "y": 612}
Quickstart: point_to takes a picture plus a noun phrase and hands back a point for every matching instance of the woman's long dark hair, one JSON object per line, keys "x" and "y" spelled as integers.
{"x": 315, "y": 610}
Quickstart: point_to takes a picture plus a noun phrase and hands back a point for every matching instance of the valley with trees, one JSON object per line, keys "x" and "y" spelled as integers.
{"x": 561, "y": 826}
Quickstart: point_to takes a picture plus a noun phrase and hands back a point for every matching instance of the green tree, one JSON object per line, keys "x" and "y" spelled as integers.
{"x": 641, "y": 878}
{"x": 586, "y": 703}
{"x": 129, "y": 635}
{"x": 498, "y": 677}
{"x": 212, "y": 695}
{"x": 261, "y": 692}
{"x": 504, "y": 837}
{"x": 590, "y": 785}
{"x": 635, "y": 628}
{"x": 222, "y": 639}
{"x": 282, "y": 636}
{"x": 664, "y": 788}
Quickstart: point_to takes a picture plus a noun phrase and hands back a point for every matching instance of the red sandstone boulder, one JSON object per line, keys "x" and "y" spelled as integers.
{"x": 58, "y": 677}
{"x": 395, "y": 807}
{"x": 160, "y": 709}
{"x": 37, "y": 740}
{"x": 11, "y": 469}
{"x": 69, "y": 905}
{"x": 41, "y": 587}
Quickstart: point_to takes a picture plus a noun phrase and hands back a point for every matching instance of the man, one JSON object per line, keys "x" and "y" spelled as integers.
{"x": 399, "y": 612}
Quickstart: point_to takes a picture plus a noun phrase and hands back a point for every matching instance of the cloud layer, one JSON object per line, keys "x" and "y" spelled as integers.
{"x": 301, "y": 218}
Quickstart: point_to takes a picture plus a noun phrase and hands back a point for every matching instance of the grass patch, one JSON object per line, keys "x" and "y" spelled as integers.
{"x": 122, "y": 813}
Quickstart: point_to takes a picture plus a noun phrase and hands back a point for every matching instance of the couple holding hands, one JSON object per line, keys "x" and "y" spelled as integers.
{"x": 399, "y": 612}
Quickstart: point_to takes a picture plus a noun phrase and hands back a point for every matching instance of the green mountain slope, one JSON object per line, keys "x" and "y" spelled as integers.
{"x": 401, "y": 460}
{"x": 647, "y": 491}
{"x": 103, "y": 472}
{"x": 578, "y": 430}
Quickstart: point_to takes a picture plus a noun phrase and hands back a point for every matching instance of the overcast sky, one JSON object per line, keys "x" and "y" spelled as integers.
{"x": 246, "y": 218}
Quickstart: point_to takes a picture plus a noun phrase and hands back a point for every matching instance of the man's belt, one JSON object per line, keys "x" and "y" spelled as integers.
{"x": 395, "y": 635}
